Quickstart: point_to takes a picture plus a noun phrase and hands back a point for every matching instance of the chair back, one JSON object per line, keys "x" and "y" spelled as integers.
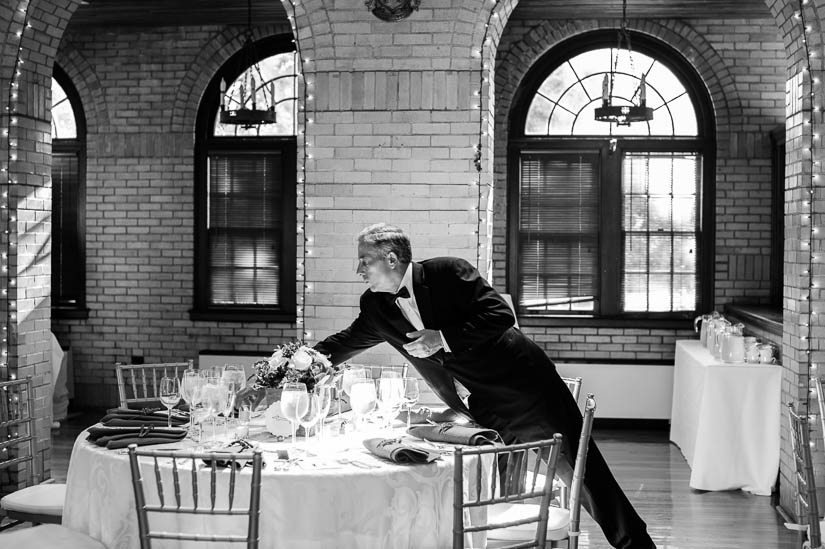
{"x": 17, "y": 427}
{"x": 575, "y": 386}
{"x": 574, "y": 501}
{"x": 374, "y": 372}
{"x": 511, "y": 481}
{"x": 180, "y": 492}
{"x": 806, "y": 502}
{"x": 138, "y": 385}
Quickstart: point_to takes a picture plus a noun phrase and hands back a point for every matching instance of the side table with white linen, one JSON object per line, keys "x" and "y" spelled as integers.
{"x": 726, "y": 420}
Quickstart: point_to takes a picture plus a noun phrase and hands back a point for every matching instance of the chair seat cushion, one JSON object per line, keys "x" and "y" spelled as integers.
{"x": 42, "y": 499}
{"x": 558, "y": 521}
{"x": 49, "y": 535}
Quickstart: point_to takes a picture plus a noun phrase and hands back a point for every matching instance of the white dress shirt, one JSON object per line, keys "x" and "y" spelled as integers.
{"x": 409, "y": 308}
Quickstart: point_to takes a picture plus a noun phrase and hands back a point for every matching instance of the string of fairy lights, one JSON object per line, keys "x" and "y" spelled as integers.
{"x": 484, "y": 77}
{"x": 305, "y": 215}
{"x": 809, "y": 110}
{"x": 8, "y": 169}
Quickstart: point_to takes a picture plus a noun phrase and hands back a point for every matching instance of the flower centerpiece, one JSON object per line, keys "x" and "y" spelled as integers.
{"x": 294, "y": 362}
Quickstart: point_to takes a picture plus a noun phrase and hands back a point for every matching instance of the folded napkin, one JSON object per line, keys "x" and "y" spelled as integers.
{"x": 400, "y": 451}
{"x": 235, "y": 447}
{"x": 455, "y": 434}
{"x": 113, "y": 437}
{"x": 122, "y": 417}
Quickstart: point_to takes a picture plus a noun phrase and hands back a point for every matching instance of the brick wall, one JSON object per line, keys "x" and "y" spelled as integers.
{"x": 392, "y": 139}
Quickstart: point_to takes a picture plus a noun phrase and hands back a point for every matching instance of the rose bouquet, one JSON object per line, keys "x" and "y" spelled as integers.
{"x": 293, "y": 362}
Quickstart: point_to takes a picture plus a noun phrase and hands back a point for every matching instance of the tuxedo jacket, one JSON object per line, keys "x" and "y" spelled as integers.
{"x": 504, "y": 371}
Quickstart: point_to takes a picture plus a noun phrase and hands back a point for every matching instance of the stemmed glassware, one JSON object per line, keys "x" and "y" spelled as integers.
{"x": 324, "y": 395}
{"x": 390, "y": 396}
{"x": 362, "y": 398}
{"x": 214, "y": 399}
{"x": 190, "y": 391}
{"x": 169, "y": 396}
{"x": 311, "y": 415}
{"x": 349, "y": 376}
{"x": 294, "y": 404}
{"x": 411, "y": 395}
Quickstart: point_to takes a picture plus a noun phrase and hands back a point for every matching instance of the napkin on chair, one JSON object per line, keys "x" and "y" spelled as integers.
{"x": 122, "y": 417}
{"x": 399, "y": 451}
{"x": 455, "y": 434}
{"x": 120, "y": 437}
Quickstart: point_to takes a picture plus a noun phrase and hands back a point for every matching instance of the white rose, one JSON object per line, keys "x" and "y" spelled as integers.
{"x": 301, "y": 360}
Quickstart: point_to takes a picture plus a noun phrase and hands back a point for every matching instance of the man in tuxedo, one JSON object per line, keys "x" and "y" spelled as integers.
{"x": 459, "y": 334}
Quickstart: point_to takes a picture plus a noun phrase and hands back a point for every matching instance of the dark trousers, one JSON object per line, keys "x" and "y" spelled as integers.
{"x": 601, "y": 495}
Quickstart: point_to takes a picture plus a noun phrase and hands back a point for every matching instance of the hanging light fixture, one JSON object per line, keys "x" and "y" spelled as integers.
{"x": 623, "y": 115}
{"x": 251, "y": 102}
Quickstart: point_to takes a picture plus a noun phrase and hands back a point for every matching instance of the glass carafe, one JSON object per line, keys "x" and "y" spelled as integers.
{"x": 700, "y": 325}
{"x": 733, "y": 344}
{"x": 721, "y": 326}
{"x": 710, "y": 330}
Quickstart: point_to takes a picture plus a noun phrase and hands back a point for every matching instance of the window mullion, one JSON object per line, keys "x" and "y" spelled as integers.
{"x": 611, "y": 231}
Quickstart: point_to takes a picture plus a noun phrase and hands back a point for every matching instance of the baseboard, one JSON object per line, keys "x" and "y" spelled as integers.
{"x": 631, "y": 424}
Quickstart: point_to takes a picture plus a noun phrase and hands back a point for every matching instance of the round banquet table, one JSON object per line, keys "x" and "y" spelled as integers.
{"x": 318, "y": 502}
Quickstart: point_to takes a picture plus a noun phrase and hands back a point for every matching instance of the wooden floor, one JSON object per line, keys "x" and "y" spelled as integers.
{"x": 655, "y": 478}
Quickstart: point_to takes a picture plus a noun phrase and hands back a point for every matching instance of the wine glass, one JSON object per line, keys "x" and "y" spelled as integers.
{"x": 235, "y": 376}
{"x": 192, "y": 391}
{"x": 215, "y": 395}
{"x": 324, "y": 395}
{"x": 390, "y": 396}
{"x": 362, "y": 398}
{"x": 411, "y": 395}
{"x": 169, "y": 396}
{"x": 294, "y": 403}
{"x": 350, "y": 375}
{"x": 311, "y": 415}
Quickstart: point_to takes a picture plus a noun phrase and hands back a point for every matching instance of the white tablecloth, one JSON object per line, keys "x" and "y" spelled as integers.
{"x": 387, "y": 506}
{"x": 726, "y": 420}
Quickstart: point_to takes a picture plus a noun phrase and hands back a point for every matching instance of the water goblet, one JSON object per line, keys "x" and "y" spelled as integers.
{"x": 169, "y": 395}
{"x": 362, "y": 398}
{"x": 390, "y": 397}
{"x": 411, "y": 395}
{"x": 234, "y": 376}
{"x": 294, "y": 403}
{"x": 349, "y": 376}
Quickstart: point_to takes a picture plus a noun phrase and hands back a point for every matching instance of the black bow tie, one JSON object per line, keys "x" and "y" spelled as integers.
{"x": 402, "y": 293}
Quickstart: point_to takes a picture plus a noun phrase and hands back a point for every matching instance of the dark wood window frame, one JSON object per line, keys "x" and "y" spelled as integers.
{"x": 704, "y": 145}
{"x": 205, "y": 144}
{"x": 76, "y": 269}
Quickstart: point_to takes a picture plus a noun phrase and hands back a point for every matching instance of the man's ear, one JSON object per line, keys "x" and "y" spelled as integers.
{"x": 392, "y": 259}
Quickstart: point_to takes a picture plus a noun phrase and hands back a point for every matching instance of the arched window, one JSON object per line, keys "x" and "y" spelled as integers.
{"x": 68, "y": 200}
{"x": 245, "y": 197}
{"x": 609, "y": 221}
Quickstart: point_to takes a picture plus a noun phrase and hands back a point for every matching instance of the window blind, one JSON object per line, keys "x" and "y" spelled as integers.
{"x": 243, "y": 228}
{"x": 660, "y": 231}
{"x": 558, "y": 231}
{"x": 67, "y": 285}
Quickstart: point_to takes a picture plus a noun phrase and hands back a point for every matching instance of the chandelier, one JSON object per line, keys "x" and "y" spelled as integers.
{"x": 623, "y": 115}
{"x": 248, "y": 103}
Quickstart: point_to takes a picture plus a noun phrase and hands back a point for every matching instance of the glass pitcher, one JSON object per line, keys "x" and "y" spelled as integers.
{"x": 733, "y": 344}
{"x": 710, "y": 330}
{"x": 700, "y": 325}
{"x": 721, "y": 326}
